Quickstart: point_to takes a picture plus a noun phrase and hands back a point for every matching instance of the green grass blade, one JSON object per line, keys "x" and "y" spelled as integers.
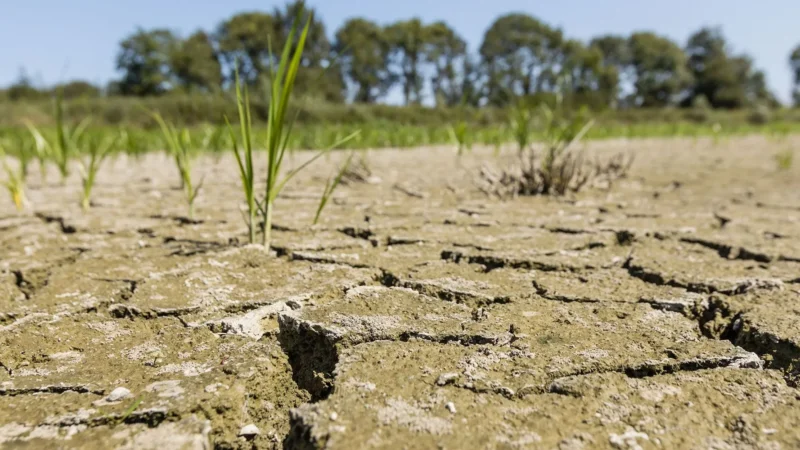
{"x": 330, "y": 187}
{"x": 294, "y": 172}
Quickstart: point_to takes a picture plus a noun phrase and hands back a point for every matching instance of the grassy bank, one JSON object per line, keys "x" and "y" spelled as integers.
{"x": 206, "y": 109}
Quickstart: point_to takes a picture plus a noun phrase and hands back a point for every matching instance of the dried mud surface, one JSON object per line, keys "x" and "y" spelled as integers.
{"x": 661, "y": 313}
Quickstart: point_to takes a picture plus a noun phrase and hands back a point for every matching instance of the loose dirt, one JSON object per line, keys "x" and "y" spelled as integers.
{"x": 662, "y": 312}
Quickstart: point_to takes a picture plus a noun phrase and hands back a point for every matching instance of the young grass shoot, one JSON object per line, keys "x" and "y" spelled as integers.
{"x": 14, "y": 182}
{"x": 459, "y": 134}
{"x": 331, "y": 186}
{"x": 65, "y": 143}
{"x": 278, "y": 133}
{"x": 99, "y": 149}
{"x": 522, "y": 125}
{"x": 179, "y": 145}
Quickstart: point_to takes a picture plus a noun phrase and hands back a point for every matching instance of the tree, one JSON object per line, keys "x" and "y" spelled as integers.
{"x": 517, "y": 49}
{"x": 794, "y": 63}
{"x": 195, "y": 64}
{"x": 407, "y": 40}
{"x": 445, "y": 49}
{"x": 143, "y": 59}
{"x": 752, "y": 83}
{"x": 713, "y": 71}
{"x": 727, "y": 81}
{"x": 617, "y": 68}
{"x": 364, "y": 59}
{"x": 317, "y": 80}
{"x": 246, "y": 39}
{"x": 587, "y": 80}
{"x": 660, "y": 68}
{"x": 469, "y": 88}
{"x": 317, "y": 50}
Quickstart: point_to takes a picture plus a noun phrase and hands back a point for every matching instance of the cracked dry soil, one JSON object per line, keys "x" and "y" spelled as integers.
{"x": 661, "y": 313}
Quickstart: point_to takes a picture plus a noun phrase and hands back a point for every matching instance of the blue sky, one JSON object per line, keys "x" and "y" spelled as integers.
{"x": 56, "y": 40}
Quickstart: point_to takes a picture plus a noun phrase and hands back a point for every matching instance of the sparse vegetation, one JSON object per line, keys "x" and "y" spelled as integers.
{"x": 558, "y": 169}
{"x": 331, "y": 186}
{"x": 279, "y": 128}
{"x": 64, "y": 144}
{"x": 99, "y": 149}
{"x": 784, "y": 159}
{"x": 359, "y": 170}
{"x": 179, "y": 144}
{"x": 459, "y": 133}
{"x": 522, "y": 126}
{"x": 368, "y": 311}
{"x": 14, "y": 181}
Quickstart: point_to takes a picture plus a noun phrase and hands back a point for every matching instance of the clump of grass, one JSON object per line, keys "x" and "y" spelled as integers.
{"x": 562, "y": 170}
{"x": 496, "y": 140}
{"x": 522, "y": 125}
{"x": 278, "y": 133}
{"x": 98, "y": 151}
{"x": 214, "y": 141}
{"x": 784, "y": 159}
{"x": 558, "y": 170}
{"x": 716, "y": 133}
{"x": 65, "y": 143}
{"x": 14, "y": 182}
{"x": 25, "y": 153}
{"x": 459, "y": 134}
{"x": 331, "y": 186}
{"x": 179, "y": 145}
{"x": 132, "y": 144}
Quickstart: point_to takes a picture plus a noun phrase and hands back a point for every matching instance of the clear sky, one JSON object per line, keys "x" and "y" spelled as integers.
{"x": 57, "y": 40}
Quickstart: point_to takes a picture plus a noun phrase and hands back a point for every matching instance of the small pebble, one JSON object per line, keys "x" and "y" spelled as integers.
{"x": 118, "y": 394}
{"x": 249, "y": 431}
{"x": 450, "y": 407}
{"x": 334, "y": 416}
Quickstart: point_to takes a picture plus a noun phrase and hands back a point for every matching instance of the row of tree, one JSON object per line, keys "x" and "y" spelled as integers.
{"x": 520, "y": 56}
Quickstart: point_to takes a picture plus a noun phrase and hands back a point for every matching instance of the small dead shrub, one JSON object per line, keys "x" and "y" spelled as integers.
{"x": 571, "y": 172}
{"x": 558, "y": 169}
{"x": 359, "y": 171}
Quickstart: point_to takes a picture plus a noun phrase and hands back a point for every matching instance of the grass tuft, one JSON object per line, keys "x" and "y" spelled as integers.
{"x": 14, "y": 182}
{"x": 331, "y": 186}
{"x": 784, "y": 160}
{"x": 278, "y": 132}
{"x": 559, "y": 169}
{"x": 459, "y": 134}
{"x": 522, "y": 125}
{"x": 63, "y": 145}
{"x": 99, "y": 149}
{"x": 179, "y": 145}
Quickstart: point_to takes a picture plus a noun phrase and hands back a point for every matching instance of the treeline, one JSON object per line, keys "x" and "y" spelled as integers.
{"x": 362, "y": 61}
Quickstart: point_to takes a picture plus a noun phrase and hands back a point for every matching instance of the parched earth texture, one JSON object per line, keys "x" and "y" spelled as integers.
{"x": 419, "y": 313}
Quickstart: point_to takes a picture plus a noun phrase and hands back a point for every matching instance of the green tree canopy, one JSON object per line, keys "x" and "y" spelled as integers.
{"x": 143, "y": 59}
{"x": 445, "y": 49}
{"x": 517, "y": 50}
{"x": 660, "y": 67}
{"x": 363, "y": 56}
{"x": 726, "y": 80}
{"x": 794, "y": 63}
{"x": 407, "y": 43}
{"x": 195, "y": 63}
